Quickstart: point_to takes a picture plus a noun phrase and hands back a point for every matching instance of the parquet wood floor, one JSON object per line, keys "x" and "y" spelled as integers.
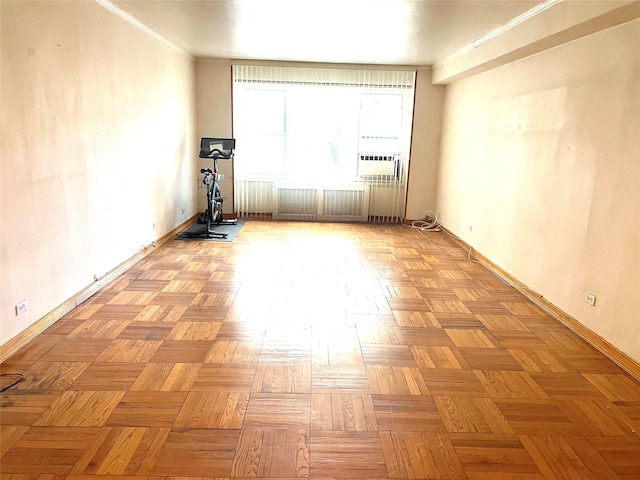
{"x": 306, "y": 350}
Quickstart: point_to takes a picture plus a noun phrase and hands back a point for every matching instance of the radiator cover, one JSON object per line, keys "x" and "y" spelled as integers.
{"x": 334, "y": 203}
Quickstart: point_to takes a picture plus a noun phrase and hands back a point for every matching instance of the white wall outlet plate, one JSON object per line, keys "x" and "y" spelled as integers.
{"x": 21, "y": 307}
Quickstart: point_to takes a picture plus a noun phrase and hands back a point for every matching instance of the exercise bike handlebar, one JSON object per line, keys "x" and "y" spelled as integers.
{"x": 217, "y": 153}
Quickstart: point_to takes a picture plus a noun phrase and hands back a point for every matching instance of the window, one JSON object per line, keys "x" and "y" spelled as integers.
{"x": 321, "y": 144}
{"x": 308, "y": 129}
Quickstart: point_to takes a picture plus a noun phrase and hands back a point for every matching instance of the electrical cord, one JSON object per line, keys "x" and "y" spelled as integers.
{"x": 21, "y": 378}
{"x": 431, "y": 224}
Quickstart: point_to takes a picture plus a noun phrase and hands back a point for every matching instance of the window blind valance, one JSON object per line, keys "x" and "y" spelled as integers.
{"x": 261, "y": 74}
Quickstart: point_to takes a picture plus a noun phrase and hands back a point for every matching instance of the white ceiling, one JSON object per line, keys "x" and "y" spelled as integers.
{"x": 394, "y": 32}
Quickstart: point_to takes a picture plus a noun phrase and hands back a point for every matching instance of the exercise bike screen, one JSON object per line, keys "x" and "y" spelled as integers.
{"x": 225, "y": 145}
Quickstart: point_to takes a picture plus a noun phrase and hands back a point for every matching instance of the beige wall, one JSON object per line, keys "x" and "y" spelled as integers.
{"x": 542, "y": 156}
{"x": 425, "y": 146}
{"x": 214, "y": 119}
{"x": 97, "y": 147}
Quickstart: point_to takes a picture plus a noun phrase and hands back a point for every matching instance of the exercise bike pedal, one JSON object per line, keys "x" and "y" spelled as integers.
{"x": 228, "y": 221}
{"x": 217, "y": 235}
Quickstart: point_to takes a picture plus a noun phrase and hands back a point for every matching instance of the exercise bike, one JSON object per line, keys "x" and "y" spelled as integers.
{"x": 215, "y": 149}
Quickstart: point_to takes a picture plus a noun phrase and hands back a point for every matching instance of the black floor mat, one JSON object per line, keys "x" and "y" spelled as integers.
{"x": 198, "y": 232}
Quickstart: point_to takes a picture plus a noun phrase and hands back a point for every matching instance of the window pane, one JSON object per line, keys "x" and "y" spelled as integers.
{"x": 322, "y": 131}
{"x": 264, "y": 111}
{"x": 261, "y": 129}
{"x": 262, "y": 154}
{"x": 380, "y": 123}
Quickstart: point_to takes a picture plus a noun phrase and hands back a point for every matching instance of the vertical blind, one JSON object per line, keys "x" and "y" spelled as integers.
{"x": 321, "y": 144}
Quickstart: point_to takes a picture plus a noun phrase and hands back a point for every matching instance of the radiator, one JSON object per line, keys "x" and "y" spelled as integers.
{"x": 336, "y": 203}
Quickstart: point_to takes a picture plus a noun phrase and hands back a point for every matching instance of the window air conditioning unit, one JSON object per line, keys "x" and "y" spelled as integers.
{"x": 379, "y": 166}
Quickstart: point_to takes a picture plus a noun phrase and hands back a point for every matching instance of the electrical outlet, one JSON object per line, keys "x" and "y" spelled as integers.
{"x": 183, "y": 211}
{"x": 590, "y": 299}
{"x": 154, "y": 225}
{"x": 470, "y": 227}
{"x": 21, "y": 307}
